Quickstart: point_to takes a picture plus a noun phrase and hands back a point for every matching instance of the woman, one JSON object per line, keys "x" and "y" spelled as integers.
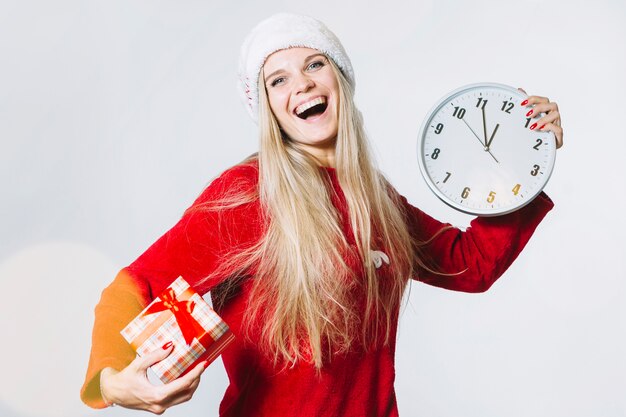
{"x": 306, "y": 250}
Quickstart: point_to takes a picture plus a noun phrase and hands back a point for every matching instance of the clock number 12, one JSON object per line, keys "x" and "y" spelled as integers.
{"x": 507, "y": 106}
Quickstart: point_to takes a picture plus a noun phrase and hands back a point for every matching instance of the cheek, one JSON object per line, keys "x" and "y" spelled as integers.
{"x": 278, "y": 102}
{"x": 278, "y": 105}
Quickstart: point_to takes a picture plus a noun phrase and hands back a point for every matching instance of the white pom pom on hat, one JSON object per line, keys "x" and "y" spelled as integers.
{"x": 282, "y": 31}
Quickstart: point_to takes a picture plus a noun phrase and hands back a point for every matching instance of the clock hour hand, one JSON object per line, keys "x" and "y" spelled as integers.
{"x": 492, "y": 135}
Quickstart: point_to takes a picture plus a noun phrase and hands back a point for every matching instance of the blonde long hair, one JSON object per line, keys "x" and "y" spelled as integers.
{"x": 303, "y": 294}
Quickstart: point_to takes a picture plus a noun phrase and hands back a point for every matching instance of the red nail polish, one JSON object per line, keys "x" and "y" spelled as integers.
{"x": 525, "y": 102}
{"x": 541, "y": 128}
{"x": 206, "y": 364}
{"x": 534, "y": 125}
{"x": 529, "y": 113}
{"x": 167, "y": 345}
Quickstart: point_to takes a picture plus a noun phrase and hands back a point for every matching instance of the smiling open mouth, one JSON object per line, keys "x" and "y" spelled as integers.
{"x": 314, "y": 107}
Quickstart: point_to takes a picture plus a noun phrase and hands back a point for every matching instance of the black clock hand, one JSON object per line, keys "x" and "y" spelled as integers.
{"x": 492, "y": 135}
{"x": 486, "y": 148}
{"x": 481, "y": 142}
{"x": 484, "y": 127}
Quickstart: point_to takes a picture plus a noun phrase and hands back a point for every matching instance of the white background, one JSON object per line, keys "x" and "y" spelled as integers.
{"x": 115, "y": 114}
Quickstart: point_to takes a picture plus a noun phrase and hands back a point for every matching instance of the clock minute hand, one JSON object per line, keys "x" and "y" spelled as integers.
{"x": 484, "y": 127}
{"x": 469, "y": 127}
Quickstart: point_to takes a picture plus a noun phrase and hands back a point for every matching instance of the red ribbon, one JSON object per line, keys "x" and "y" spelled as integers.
{"x": 182, "y": 310}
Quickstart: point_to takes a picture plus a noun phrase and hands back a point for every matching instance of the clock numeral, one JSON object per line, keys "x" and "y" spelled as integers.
{"x": 527, "y": 121}
{"x": 481, "y": 103}
{"x": 459, "y": 112}
{"x": 492, "y": 196}
{"x": 447, "y": 176}
{"x": 535, "y": 170}
{"x": 435, "y": 153}
{"x": 516, "y": 188}
{"x": 439, "y": 128}
{"x": 539, "y": 142}
{"x": 465, "y": 192}
{"x": 507, "y": 106}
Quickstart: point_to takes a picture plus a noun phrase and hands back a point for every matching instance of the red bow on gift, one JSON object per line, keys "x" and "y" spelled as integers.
{"x": 182, "y": 310}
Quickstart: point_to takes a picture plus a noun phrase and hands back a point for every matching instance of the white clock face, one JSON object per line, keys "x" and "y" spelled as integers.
{"x": 479, "y": 156}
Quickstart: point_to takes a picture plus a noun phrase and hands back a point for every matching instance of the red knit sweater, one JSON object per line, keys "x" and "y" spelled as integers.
{"x": 359, "y": 383}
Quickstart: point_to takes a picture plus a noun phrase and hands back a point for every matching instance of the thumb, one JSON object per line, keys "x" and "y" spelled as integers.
{"x": 157, "y": 355}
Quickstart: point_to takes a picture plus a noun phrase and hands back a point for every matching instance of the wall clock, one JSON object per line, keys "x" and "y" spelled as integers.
{"x": 477, "y": 153}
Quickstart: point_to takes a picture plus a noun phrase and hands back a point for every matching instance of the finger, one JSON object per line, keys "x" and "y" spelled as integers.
{"x": 184, "y": 395}
{"x": 182, "y": 389}
{"x": 542, "y": 108}
{"x": 557, "y": 130}
{"x": 187, "y": 380}
{"x": 181, "y": 385}
{"x": 532, "y": 100}
{"x": 545, "y": 107}
{"x": 178, "y": 399}
{"x": 157, "y": 355}
{"x": 551, "y": 117}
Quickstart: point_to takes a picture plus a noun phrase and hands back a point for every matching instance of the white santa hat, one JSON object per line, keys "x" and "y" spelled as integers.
{"x": 282, "y": 31}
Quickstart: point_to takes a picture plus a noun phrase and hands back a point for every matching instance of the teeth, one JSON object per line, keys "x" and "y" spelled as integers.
{"x": 304, "y": 107}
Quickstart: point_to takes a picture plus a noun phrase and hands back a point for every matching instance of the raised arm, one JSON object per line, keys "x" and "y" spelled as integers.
{"x": 472, "y": 260}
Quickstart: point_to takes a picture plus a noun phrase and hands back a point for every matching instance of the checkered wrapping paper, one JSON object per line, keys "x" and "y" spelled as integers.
{"x": 147, "y": 333}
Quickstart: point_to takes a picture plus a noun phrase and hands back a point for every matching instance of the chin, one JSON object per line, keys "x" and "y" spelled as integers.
{"x": 322, "y": 141}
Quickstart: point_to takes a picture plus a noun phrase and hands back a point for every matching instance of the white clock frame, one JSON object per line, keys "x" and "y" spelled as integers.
{"x": 493, "y": 174}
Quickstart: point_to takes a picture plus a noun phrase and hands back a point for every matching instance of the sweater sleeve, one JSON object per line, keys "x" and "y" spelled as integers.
{"x": 193, "y": 249}
{"x": 472, "y": 260}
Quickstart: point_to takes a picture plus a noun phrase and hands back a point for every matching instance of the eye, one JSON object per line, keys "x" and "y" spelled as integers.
{"x": 277, "y": 81}
{"x": 316, "y": 65}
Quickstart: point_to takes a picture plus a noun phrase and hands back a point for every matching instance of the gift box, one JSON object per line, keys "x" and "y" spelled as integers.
{"x": 179, "y": 315}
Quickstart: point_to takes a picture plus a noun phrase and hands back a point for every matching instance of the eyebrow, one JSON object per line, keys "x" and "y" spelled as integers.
{"x": 309, "y": 58}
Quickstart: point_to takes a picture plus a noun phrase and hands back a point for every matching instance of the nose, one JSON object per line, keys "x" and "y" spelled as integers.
{"x": 304, "y": 83}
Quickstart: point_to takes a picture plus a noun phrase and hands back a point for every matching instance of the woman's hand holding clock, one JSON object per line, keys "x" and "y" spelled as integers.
{"x": 551, "y": 121}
